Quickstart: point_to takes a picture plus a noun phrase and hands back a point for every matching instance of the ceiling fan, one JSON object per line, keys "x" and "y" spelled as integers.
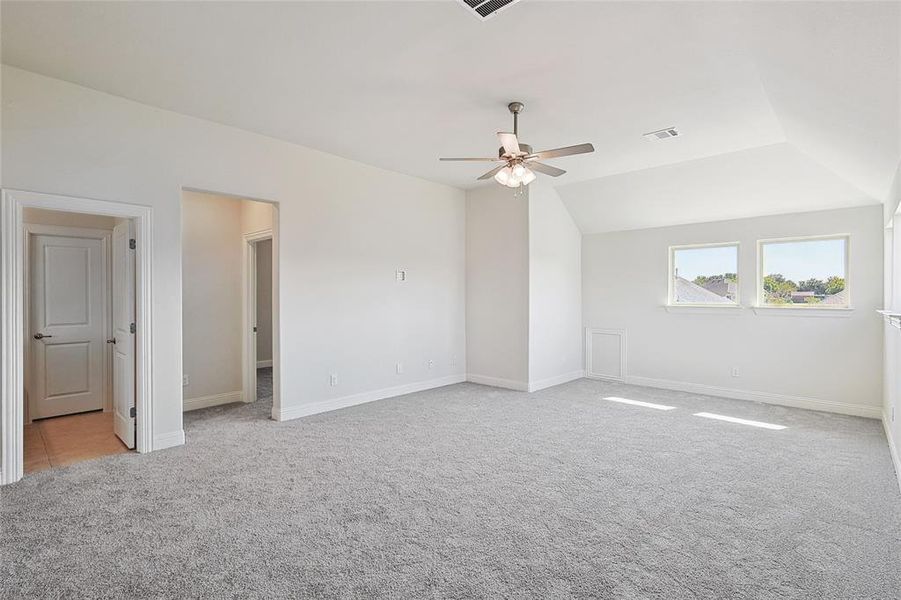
{"x": 518, "y": 160}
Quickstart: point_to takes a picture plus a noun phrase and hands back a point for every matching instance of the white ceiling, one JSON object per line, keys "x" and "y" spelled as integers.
{"x": 767, "y": 180}
{"x": 398, "y": 84}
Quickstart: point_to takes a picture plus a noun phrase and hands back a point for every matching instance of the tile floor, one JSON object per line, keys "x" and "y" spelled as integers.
{"x": 70, "y": 439}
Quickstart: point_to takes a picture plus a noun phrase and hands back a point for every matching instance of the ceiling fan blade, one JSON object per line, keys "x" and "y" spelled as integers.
{"x": 474, "y": 159}
{"x": 567, "y": 151}
{"x": 546, "y": 169}
{"x": 492, "y": 172}
{"x": 509, "y": 142}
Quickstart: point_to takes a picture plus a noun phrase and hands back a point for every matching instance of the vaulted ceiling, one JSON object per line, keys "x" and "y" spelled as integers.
{"x": 783, "y": 107}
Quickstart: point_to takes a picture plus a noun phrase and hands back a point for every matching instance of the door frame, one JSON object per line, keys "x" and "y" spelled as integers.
{"x": 105, "y": 237}
{"x": 249, "y": 354}
{"x": 12, "y": 315}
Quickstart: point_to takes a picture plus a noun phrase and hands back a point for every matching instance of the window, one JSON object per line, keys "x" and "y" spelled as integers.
{"x": 704, "y": 275}
{"x": 804, "y": 273}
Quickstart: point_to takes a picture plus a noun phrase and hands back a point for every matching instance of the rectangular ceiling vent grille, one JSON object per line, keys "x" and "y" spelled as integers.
{"x": 485, "y": 9}
{"x": 662, "y": 134}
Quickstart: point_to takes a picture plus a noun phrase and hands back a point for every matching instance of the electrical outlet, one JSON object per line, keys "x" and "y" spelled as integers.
{"x": 453, "y": 362}
{"x": 400, "y": 368}
{"x": 735, "y": 372}
{"x": 400, "y": 275}
{"x": 333, "y": 379}
{"x": 185, "y": 380}
{"x": 431, "y": 364}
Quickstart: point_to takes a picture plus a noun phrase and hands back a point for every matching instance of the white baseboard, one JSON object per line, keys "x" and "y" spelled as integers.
{"x": 843, "y": 408}
{"x": 304, "y": 410}
{"x": 541, "y": 384}
{"x": 264, "y": 363}
{"x": 892, "y": 447}
{"x": 169, "y": 440}
{"x": 510, "y": 384}
{"x": 214, "y": 400}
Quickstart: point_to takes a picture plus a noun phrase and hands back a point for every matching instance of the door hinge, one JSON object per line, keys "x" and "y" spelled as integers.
{"x": 132, "y": 328}
{"x": 132, "y": 244}
{"x": 133, "y": 412}
{"x": 254, "y": 329}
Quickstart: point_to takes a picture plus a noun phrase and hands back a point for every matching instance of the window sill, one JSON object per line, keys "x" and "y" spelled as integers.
{"x": 891, "y": 317}
{"x": 704, "y": 309}
{"x": 803, "y": 311}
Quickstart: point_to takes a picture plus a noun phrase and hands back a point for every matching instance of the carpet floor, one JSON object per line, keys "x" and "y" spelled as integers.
{"x": 472, "y": 492}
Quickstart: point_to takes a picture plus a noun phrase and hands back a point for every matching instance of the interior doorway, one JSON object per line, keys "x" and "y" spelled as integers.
{"x": 76, "y": 331}
{"x": 230, "y": 314}
{"x": 257, "y": 320}
{"x": 79, "y": 356}
{"x": 79, "y": 359}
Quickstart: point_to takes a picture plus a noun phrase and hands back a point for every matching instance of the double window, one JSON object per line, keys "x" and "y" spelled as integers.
{"x": 792, "y": 273}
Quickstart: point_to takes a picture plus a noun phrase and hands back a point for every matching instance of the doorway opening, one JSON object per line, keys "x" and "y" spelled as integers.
{"x": 79, "y": 355}
{"x": 230, "y": 314}
{"x": 76, "y": 331}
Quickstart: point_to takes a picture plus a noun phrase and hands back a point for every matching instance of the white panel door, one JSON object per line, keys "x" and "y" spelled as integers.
{"x": 67, "y": 325}
{"x": 123, "y": 334}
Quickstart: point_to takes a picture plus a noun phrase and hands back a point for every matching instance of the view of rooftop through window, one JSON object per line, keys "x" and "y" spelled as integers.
{"x": 705, "y": 275}
{"x": 805, "y": 273}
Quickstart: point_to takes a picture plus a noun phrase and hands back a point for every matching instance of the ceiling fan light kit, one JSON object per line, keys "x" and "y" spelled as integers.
{"x": 519, "y": 161}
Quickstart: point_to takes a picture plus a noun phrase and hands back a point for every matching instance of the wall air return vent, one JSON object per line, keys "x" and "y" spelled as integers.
{"x": 485, "y": 9}
{"x": 662, "y": 134}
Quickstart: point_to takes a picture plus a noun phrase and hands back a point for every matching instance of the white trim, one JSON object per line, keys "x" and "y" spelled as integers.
{"x": 212, "y": 400}
{"x": 510, "y": 384}
{"x": 671, "y": 275}
{"x": 106, "y": 311}
{"x": 857, "y": 410}
{"x": 547, "y": 382}
{"x": 262, "y": 364}
{"x": 759, "y": 302}
{"x": 726, "y": 310}
{"x": 892, "y": 447}
{"x": 169, "y": 440}
{"x": 771, "y": 310}
{"x": 12, "y": 324}
{"x": 623, "y": 346}
{"x": 304, "y": 410}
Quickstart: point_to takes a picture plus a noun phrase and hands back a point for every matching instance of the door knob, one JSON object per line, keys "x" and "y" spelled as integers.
{"x": 40, "y": 336}
{"x": 111, "y": 341}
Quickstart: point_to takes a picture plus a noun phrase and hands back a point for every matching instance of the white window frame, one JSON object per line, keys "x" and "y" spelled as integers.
{"x": 670, "y": 301}
{"x": 761, "y": 302}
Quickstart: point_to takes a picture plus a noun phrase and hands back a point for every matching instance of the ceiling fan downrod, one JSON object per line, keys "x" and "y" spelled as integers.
{"x": 516, "y": 108}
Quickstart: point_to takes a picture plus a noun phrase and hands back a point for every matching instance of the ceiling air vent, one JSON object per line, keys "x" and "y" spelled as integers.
{"x": 662, "y": 134}
{"x": 485, "y": 9}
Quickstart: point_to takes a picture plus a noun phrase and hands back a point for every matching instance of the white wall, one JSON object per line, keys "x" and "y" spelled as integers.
{"x": 264, "y": 300}
{"x": 523, "y": 288}
{"x": 212, "y": 296}
{"x": 497, "y": 287}
{"x": 555, "y": 290}
{"x": 40, "y": 216}
{"x": 345, "y": 228}
{"x": 255, "y": 216}
{"x": 828, "y": 363}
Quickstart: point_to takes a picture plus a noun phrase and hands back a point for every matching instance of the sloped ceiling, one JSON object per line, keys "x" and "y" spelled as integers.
{"x": 798, "y": 102}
